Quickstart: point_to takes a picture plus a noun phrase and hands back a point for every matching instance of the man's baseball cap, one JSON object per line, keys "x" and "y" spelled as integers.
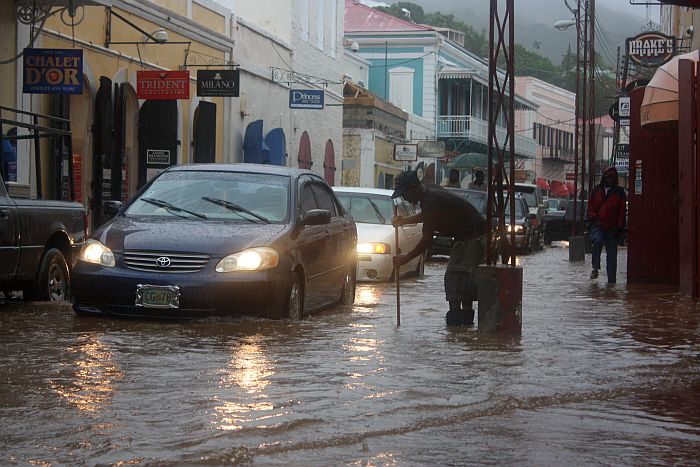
{"x": 404, "y": 181}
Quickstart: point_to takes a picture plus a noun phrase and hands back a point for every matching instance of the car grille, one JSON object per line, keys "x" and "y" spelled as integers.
{"x": 166, "y": 262}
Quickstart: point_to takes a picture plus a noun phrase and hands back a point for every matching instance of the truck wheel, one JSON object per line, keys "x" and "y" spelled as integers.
{"x": 52, "y": 282}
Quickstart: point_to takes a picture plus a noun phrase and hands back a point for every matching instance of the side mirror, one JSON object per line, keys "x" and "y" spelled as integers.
{"x": 316, "y": 217}
{"x": 111, "y": 208}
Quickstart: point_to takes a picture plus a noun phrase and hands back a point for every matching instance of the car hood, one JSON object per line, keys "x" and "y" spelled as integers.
{"x": 374, "y": 233}
{"x": 192, "y": 236}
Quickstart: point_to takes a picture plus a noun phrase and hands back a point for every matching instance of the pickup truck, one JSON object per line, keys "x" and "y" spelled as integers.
{"x": 39, "y": 243}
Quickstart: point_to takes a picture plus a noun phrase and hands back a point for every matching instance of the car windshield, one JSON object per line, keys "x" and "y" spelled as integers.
{"x": 235, "y": 196}
{"x": 528, "y": 194}
{"x": 477, "y": 199}
{"x": 555, "y": 204}
{"x": 367, "y": 209}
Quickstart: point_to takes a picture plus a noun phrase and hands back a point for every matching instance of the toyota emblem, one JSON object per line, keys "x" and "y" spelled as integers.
{"x": 163, "y": 262}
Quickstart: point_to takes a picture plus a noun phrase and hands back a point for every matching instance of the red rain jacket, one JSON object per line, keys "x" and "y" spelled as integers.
{"x": 607, "y": 211}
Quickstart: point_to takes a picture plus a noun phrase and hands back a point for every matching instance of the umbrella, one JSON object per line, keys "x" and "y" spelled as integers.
{"x": 542, "y": 183}
{"x": 660, "y": 104}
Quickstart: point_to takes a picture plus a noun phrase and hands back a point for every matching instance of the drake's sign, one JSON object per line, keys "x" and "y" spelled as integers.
{"x": 53, "y": 71}
{"x": 218, "y": 83}
{"x": 163, "y": 85}
{"x": 651, "y": 49}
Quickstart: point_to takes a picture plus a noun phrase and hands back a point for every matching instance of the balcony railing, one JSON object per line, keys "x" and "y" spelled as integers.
{"x": 476, "y": 129}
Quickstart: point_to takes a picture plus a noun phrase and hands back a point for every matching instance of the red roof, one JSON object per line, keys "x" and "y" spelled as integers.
{"x": 361, "y": 18}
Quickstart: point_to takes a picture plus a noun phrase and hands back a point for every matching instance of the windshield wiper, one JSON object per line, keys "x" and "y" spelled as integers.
{"x": 171, "y": 207}
{"x": 376, "y": 209}
{"x": 235, "y": 207}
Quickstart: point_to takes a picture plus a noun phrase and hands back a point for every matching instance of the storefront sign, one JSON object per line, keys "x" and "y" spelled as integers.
{"x": 218, "y": 83}
{"x": 163, "y": 85}
{"x": 651, "y": 49}
{"x": 158, "y": 156}
{"x": 53, "y": 71}
{"x": 306, "y": 98}
{"x": 638, "y": 177}
{"x": 431, "y": 149}
{"x": 405, "y": 152}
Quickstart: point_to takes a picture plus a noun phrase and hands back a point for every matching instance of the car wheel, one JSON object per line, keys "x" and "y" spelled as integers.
{"x": 539, "y": 245}
{"x": 348, "y": 295}
{"x": 52, "y": 282}
{"x": 294, "y": 305}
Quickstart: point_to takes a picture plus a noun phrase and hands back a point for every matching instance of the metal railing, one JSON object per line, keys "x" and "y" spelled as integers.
{"x": 476, "y": 129}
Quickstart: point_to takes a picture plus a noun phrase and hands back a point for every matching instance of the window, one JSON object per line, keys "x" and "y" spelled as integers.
{"x": 308, "y": 202}
{"x": 324, "y": 198}
{"x": 401, "y": 88}
{"x": 304, "y": 19}
{"x": 319, "y": 15}
{"x": 334, "y": 29}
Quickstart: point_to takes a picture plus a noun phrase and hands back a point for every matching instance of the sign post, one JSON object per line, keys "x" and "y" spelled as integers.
{"x": 650, "y": 49}
{"x": 405, "y": 152}
{"x": 218, "y": 83}
{"x": 163, "y": 85}
{"x": 53, "y": 71}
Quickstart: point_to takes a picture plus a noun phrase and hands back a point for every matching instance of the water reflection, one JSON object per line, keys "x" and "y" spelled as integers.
{"x": 90, "y": 387}
{"x": 249, "y": 369}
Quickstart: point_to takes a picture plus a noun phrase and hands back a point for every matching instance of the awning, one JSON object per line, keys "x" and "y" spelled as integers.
{"x": 660, "y": 103}
{"x": 455, "y": 73}
{"x": 558, "y": 190}
{"x": 542, "y": 183}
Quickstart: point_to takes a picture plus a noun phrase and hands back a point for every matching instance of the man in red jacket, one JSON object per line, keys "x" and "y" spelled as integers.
{"x": 606, "y": 216}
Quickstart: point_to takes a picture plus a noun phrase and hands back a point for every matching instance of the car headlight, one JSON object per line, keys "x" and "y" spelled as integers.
{"x": 96, "y": 253}
{"x": 518, "y": 228}
{"x": 252, "y": 259}
{"x": 378, "y": 248}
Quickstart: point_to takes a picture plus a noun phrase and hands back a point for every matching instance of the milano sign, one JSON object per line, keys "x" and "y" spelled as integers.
{"x": 651, "y": 49}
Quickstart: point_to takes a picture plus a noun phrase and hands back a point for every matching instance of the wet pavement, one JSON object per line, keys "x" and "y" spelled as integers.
{"x": 601, "y": 375}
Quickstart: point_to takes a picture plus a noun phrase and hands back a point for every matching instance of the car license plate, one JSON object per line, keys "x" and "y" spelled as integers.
{"x": 364, "y": 258}
{"x": 158, "y": 296}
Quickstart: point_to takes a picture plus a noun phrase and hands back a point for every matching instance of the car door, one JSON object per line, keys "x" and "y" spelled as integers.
{"x": 9, "y": 238}
{"x": 336, "y": 261}
{"x": 409, "y": 234}
{"x": 313, "y": 247}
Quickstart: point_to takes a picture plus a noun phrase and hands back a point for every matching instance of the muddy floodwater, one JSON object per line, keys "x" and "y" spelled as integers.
{"x": 601, "y": 375}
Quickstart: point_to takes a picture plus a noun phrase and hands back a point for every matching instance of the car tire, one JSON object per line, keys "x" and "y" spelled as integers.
{"x": 294, "y": 303}
{"x": 347, "y": 296}
{"x": 53, "y": 281}
{"x": 539, "y": 244}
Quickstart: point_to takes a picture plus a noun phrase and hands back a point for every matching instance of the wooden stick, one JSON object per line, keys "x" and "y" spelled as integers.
{"x": 397, "y": 274}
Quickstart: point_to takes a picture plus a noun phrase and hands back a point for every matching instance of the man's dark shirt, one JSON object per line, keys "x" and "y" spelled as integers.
{"x": 450, "y": 214}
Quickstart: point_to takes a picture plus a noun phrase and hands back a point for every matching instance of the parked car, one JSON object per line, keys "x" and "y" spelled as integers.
{"x": 534, "y": 197}
{"x": 372, "y": 209}
{"x": 441, "y": 244}
{"x": 526, "y": 231}
{"x": 558, "y": 226}
{"x": 39, "y": 242}
{"x": 221, "y": 239}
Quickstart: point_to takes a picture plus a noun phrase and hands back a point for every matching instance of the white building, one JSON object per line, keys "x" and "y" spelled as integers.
{"x": 312, "y": 31}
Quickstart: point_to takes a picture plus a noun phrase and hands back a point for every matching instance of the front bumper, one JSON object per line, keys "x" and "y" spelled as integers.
{"x": 374, "y": 267}
{"x": 112, "y": 292}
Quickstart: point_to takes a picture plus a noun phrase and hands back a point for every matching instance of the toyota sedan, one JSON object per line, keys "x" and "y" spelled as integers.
{"x": 220, "y": 240}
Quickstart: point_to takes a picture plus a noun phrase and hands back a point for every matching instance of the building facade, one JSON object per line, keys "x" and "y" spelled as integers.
{"x": 429, "y": 75}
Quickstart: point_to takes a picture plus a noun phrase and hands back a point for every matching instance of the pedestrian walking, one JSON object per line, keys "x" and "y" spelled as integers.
{"x": 478, "y": 183}
{"x": 606, "y": 220}
{"x": 452, "y": 215}
{"x": 453, "y": 180}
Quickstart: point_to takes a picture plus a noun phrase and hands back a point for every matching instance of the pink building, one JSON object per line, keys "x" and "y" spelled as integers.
{"x": 552, "y": 126}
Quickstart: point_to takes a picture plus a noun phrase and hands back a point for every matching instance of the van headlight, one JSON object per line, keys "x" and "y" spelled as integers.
{"x": 252, "y": 259}
{"x": 96, "y": 253}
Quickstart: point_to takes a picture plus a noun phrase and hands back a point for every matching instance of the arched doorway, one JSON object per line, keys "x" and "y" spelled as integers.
{"x": 329, "y": 163}
{"x": 131, "y": 144}
{"x": 158, "y": 129}
{"x": 204, "y": 133}
{"x": 304, "y": 157}
{"x": 81, "y": 107}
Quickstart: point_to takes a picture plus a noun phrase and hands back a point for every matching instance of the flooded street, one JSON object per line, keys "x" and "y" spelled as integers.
{"x": 601, "y": 375}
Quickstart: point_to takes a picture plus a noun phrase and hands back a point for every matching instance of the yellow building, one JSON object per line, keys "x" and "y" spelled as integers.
{"x": 120, "y": 141}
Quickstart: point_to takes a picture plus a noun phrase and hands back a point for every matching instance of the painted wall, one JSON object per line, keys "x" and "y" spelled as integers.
{"x": 273, "y": 17}
{"x": 8, "y": 49}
